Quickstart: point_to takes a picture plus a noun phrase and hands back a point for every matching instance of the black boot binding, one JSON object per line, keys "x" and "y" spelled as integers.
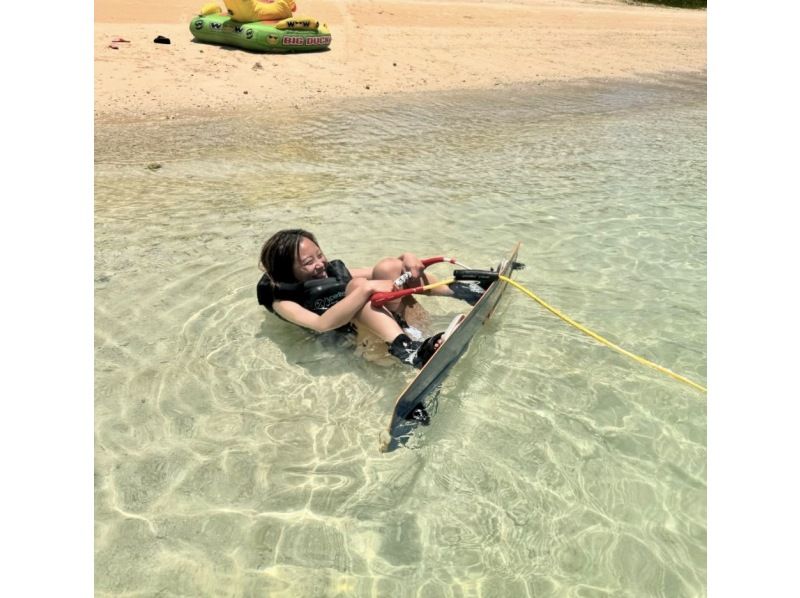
{"x": 415, "y": 353}
{"x": 467, "y": 291}
{"x": 420, "y": 415}
{"x": 470, "y": 285}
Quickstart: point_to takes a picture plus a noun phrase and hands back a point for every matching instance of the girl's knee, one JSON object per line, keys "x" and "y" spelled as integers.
{"x": 388, "y": 269}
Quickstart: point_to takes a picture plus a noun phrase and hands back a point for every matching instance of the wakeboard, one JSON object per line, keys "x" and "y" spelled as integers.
{"x": 433, "y": 373}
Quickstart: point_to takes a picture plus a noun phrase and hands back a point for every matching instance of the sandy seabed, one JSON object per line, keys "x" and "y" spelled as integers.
{"x": 382, "y": 48}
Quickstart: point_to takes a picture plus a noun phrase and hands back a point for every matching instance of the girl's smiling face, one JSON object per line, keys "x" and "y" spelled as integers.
{"x": 310, "y": 262}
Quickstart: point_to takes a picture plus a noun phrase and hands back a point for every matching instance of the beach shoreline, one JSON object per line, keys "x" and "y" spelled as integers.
{"x": 382, "y": 49}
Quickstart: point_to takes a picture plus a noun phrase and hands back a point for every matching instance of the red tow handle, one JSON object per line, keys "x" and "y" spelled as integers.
{"x": 435, "y": 260}
{"x": 379, "y": 299}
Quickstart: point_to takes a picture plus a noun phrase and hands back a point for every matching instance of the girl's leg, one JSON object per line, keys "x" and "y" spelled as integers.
{"x": 383, "y": 324}
{"x": 379, "y": 321}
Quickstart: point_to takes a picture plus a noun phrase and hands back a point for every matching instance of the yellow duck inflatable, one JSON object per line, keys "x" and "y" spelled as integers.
{"x": 247, "y": 11}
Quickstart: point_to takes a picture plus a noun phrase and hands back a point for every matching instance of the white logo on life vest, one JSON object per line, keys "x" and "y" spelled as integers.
{"x": 325, "y": 302}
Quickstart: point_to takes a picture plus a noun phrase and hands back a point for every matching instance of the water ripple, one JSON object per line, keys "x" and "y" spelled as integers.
{"x": 236, "y": 455}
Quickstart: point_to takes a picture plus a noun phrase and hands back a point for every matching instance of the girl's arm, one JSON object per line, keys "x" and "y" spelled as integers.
{"x": 358, "y": 293}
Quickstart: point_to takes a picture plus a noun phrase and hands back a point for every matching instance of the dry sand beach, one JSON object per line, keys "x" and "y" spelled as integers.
{"x": 383, "y": 48}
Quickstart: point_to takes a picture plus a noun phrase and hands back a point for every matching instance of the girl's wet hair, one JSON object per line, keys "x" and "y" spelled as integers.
{"x": 279, "y": 251}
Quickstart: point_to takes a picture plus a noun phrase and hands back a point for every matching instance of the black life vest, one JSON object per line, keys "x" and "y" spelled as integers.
{"x": 317, "y": 295}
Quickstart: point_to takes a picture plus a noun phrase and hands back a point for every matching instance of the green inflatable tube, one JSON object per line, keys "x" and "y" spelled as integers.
{"x": 259, "y": 36}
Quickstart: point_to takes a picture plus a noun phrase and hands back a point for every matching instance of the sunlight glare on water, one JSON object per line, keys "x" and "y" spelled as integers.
{"x": 237, "y": 455}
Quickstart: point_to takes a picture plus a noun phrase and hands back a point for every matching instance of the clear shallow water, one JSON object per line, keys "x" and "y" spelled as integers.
{"x": 236, "y": 455}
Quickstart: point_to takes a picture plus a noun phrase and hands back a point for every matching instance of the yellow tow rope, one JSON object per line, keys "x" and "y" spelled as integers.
{"x": 599, "y": 338}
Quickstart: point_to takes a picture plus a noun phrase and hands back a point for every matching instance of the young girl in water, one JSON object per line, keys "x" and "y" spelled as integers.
{"x": 301, "y": 286}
